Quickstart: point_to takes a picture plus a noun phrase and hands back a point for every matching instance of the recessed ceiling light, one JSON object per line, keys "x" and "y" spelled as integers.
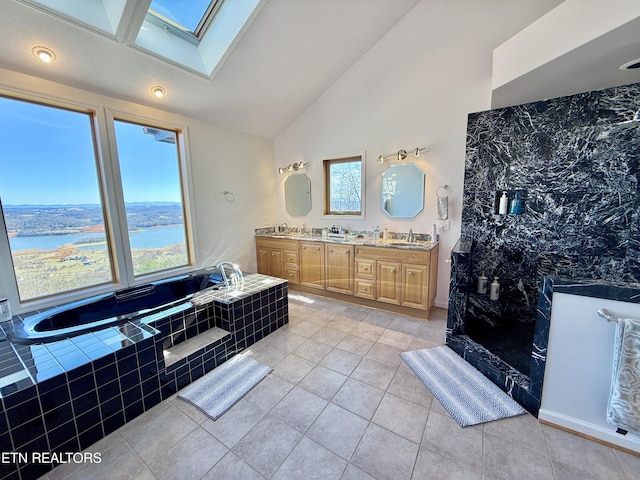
{"x": 158, "y": 91}
{"x": 632, "y": 65}
{"x": 45, "y": 54}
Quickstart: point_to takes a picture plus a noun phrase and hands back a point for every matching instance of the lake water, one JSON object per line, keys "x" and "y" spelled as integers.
{"x": 151, "y": 238}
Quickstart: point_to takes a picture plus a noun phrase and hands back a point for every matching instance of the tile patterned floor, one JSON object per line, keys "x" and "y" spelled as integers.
{"x": 340, "y": 404}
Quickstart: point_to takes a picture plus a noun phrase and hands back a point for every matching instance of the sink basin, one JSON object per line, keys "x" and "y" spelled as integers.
{"x": 406, "y": 244}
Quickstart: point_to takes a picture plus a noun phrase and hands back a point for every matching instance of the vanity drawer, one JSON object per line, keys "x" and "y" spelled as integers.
{"x": 366, "y": 268}
{"x": 291, "y": 256}
{"x": 292, "y": 275}
{"x": 365, "y": 289}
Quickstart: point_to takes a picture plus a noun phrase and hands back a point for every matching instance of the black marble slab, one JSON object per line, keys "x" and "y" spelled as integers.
{"x": 575, "y": 162}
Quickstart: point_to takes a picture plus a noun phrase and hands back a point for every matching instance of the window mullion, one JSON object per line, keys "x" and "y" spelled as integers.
{"x": 114, "y": 200}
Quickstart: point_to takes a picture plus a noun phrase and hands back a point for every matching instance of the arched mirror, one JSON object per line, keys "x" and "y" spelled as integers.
{"x": 403, "y": 190}
{"x": 297, "y": 195}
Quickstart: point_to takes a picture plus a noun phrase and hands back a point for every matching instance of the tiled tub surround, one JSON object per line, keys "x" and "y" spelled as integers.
{"x": 575, "y": 161}
{"x": 64, "y": 396}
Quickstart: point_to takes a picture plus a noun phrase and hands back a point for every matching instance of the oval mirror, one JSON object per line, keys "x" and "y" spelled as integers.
{"x": 297, "y": 195}
{"x": 403, "y": 190}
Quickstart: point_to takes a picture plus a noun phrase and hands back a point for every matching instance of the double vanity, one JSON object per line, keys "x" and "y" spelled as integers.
{"x": 397, "y": 276}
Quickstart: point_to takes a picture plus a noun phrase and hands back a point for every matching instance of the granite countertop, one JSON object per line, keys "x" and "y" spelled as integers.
{"x": 393, "y": 243}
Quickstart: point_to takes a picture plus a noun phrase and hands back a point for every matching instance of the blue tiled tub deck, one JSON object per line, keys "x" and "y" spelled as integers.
{"x": 65, "y": 395}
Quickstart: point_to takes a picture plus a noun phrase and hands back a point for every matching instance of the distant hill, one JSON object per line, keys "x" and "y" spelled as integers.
{"x": 36, "y": 220}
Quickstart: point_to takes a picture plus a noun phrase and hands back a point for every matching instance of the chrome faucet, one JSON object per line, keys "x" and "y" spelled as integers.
{"x": 410, "y": 236}
{"x": 235, "y": 279}
{"x": 283, "y": 227}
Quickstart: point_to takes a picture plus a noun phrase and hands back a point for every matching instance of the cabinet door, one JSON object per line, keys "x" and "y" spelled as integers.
{"x": 276, "y": 262}
{"x": 262, "y": 254}
{"x": 312, "y": 264}
{"x": 415, "y": 288}
{"x": 339, "y": 268}
{"x": 389, "y": 282}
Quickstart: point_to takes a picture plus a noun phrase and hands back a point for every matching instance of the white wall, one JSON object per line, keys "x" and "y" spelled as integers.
{"x": 220, "y": 159}
{"x": 577, "y": 378}
{"x": 412, "y": 89}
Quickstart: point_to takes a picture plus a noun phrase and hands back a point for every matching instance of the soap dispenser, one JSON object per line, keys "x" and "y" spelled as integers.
{"x": 504, "y": 204}
{"x": 494, "y": 291}
{"x": 482, "y": 284}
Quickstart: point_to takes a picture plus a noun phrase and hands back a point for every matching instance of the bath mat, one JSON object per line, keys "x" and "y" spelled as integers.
{"x": 468, "y": 396}
{"x": 220, "y": 389}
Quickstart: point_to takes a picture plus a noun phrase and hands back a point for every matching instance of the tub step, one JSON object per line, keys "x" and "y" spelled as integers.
{"x": 184, "y": 349}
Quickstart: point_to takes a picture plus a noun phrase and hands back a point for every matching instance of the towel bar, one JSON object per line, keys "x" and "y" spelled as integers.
{"x": 606, "y": 314}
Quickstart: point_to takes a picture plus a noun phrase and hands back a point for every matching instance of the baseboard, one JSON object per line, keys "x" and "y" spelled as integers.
{"x": 628, "y": 443}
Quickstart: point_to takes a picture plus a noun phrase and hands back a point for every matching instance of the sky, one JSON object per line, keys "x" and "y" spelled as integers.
{"x": 184, "y": 12}
{"x": 47, "y": 157}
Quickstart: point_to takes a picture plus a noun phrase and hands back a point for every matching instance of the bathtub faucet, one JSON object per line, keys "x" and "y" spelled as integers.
{"x": 235, "y": 278}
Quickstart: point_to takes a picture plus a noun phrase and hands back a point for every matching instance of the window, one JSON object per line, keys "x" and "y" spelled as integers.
{"x": 187, "y": 16}
{"x": 51, "y": 199}
{"x": 344, "y": 186}
{"x": 150, "y": 171}
{"x": 60, "y": 200}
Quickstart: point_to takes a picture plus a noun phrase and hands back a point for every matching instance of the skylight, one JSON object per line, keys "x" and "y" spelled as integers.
{"x": 190, "y": 17}
{"x": 196, "y": 35}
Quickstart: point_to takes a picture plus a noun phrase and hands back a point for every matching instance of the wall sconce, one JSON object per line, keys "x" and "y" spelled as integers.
{"x": 294, "y": 167}
{"x": 401, "y": 154}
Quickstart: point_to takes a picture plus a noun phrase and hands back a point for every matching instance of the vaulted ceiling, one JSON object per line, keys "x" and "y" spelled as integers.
{"x": 290, "y": 52}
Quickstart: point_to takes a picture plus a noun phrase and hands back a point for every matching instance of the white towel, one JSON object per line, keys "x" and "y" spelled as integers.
{"x": 623, "y": 410}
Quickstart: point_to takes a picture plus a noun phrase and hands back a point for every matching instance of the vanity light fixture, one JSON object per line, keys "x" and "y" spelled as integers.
{"x": 294, "y": 167}
{"x": 44, "y": 54}
{"x": 401, "y": 154}
{"x": 158, "y": 91}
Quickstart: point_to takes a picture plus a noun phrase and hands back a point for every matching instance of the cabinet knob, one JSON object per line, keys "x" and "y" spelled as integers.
{"x": 273, "y": 254}
{"x": 393, "y": 270}
{"x": 410, "y": 273}
{"x": 331, "y": 250}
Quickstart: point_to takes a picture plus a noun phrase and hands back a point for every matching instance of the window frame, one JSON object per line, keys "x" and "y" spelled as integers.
{"x": 329, "y": 160}
{"x": 112, "y": 199}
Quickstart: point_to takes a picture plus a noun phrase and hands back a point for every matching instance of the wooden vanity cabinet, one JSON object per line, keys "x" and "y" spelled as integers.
{"x": 397, "y": 279}
{"x": 403, "y": 277}
{"x": 339, "y": 268}
{"x": 278, "y": 258}
{"x": 312, "y": 264}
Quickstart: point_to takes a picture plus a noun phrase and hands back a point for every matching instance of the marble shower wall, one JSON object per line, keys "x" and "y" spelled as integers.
{"x": 576, "y": 163}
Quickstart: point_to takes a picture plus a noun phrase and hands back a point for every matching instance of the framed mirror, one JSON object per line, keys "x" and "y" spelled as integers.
{"x": 403, "y": 190}
{"x": 297, "y": 195}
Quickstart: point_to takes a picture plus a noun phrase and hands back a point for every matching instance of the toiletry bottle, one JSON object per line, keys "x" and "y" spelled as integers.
{"x": 482, "y": 283}
{"x": 325, "y": 232}
{"x": 515, "y": 208}
{"x": 385, "y": 234}
{"x": 494, "y": 291}
{"x": 504, "y": 204}
{"x": 434, "y": 233}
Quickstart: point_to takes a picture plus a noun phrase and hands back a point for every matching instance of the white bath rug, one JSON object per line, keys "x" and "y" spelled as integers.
{"x": 468, "y": 396}
{"x": 220, "y": 389}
